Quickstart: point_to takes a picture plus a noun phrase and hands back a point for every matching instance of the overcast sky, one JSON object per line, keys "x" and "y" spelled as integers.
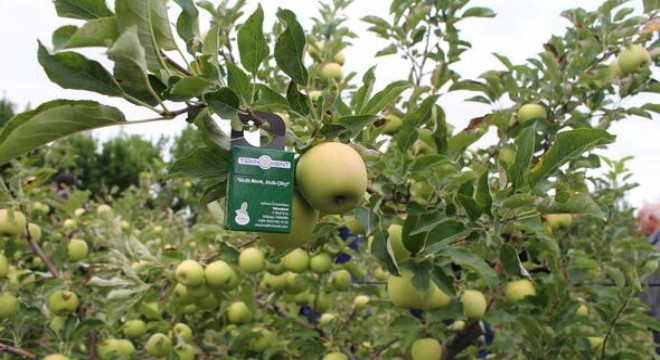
{"x": 518, "y": 31}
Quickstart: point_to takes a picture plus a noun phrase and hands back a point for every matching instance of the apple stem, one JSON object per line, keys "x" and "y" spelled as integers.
{"x": 17, "y": 351}
{"x": 40, "y": 253}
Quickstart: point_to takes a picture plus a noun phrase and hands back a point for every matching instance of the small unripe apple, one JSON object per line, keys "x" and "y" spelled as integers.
{"x": 220, "y": 274}
{"x": 335, "y": 356}
{"x": 261, "y": 339}
{"x": 339, "y": 58}
{"x": 331, "y": 71}
{"x": 12, "y": 223}
{"x": 198, "y": 292}
{"x": 392, "y": 124}
{"x": 252, "y": 260}
{"x": 320, "y": 263}
{"x": 40, "y": 207}
{"x": 530, "y": 112}
{"x": 69, "y": 224}
{"x": 518, "y": 290}
{"x": 35, "y": 231}
{"x": 327, "y": 318}
{"x": 582, "y": 310}
{"x": 361, "y": 301}
{"x": 56, "y": 357}
{"x": 595, "y": 342}
{"x": 340, "y": 279}
{"x": 296, "y": 261}
{"x": 183, "y": 331}
{"x": 4, "y": 265}
{"x": 555, "y": 221}
{"x": 190, "y": 273}
{"x": 158, "y": 345}
{"x": 633, "y": 59}
{"x": 403, "y": 293}
{"x": 457, "y": 325}
{"x": 474, "y": 304}
{"x": 314, "y": 95}
{"x": 104, "y": 210}
{"x": 180, "y": 294}
{"x": 125, "y": 348}
{"x": 395, "y": 238}
{"x": 124, "y": 225}
{"x": 8, "y": 305}
{"x": 295, "y": 283}
{"x": 426, "y": 349}
{"x": 62, "y": 302}
{"x": 134, "y": 328}
{"x": 185, "y": 352}
{"x": 79, "y": 212}
{"x": 271, "y": 282}
{"x": 77, "y": 250}
{"x": 321, "y": 302}
{"x": 239, "y": 313}
{"x": 208, "y": 302}
{"x": 275, "y": 268}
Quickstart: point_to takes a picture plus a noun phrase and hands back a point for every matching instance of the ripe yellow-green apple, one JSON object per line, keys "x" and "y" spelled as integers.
{"x": 555, "y": 221}
{"x": 335, "y": 356}
{"x": 158, "y": 345}
{"x": 355, "y": 226}
{"x": 403, "y": 293}
{"x": 361, "y": 301}
{"x": 302, "y": 298}
{"x": 391, "y": 125}
{"x": 457, "y": 325}
{"x": 12, "y": 222}
{"x": 69, "y": 224}
{"x": 332, "y": 177}
{"x": 314, "y": 49}
{"x": 4, "y": 265}
{"x": 125, "y": 225}
{"x": 303, "y": 221}
{"x": 261, "y": 339}
{"x": 381, "y": 275}
{"x": 189, "y": 273}
{"x": 252, "y": 260}
{"x": 107, "y": 348}
{"x": 8, "y": 305}
{"x": 79, "y": 212}
{"x": 40, "y": 207}
{"x": 134, "y": 328}
{"x": 634, "y": 58}
{"x": 198, "y": 292}
{"x": 77, "y": 249}
{"x": 395, "y": 238}
{"x": 320, "y": 302}
{"x": 340, "y": 279}
{"x": 296, "y": 261}
{"x": 518, "y": 290}
{"x": 208, "y": 302}
{"x": 320, "y": 263}
{"x": 425, "y": 144}
{"x": 183, "y": 331}
{"x": 339, "y": 58}
{"x": 125, "y": 348}
{"x": 275, "y": 267}
{"x": 614, "y": 70}
{"x": 582, "y": 310}
{"x": 271, "y": 282}
{"x": 295, "y": 283}
{"x": 185, "y": 352}
{"x": 426, "y": 349}
{"x": 474, "y": 304}
{"x": 56, "y": 357}
{"x": 331, "y": 71}
{"x": 595, "y": 342}
{"x": 62, "y": 302}
{"x": 180, "y": 294}
{"x": 34, "y": 231}
{"x": 530, "y": 112}
{"x": 220, "y": 274}
{"x": 239, "y": 313}
{"x": 104, "y": 210}
{"x": 327, "y": 318}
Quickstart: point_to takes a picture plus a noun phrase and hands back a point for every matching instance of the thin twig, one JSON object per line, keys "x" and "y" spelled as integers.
{"x": 175, "y": 65}
{"x": 614, "y": 320}
{"x": 40, "y": 253}
{"x": 17, "y": 351}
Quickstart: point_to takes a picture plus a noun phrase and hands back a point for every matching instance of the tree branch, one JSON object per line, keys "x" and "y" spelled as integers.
{"x": 40, "y": 253}
{"x": 464, "y": 338}
{"x": 17, "y": 351}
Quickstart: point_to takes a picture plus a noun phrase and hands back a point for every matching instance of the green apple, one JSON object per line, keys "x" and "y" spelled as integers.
{"x": 104, "y": 210}
{"x": 4, "y": 265}
{"x": 125, "y": 225}
{"x": 614, "y": 70}
{"x": 582, "y": 310}
{"x": 271, "y": 282}
{"x": 314, "y": 49}
{"x": 507, "y": 154}
{"x": 340, "y": 279}
{"x": 335, "y": 356}
{"x": 185, "y": 352}
{"x": 56, "y": 357}
{"x": 239, "y": 313}
{"x": 12, "y": 222}
{"x": 302, "y": 298}
{"x": 295, "y": 283}
{"x": 303, "y": 221}
{"x": 530, "y": 112}
{"x": 40, "y": 207}
{"x": 474, "y": 304}
{"x": 190, "y": 273}
{"x": 331, "y": 71}
{"x": 56, "y": 323}
{"x": 457, "y": 325}
{"x": 555, "y": 221}
{"x": 158, "y": 345}
{"x": 361, "y": 301}
{"x": 332, "y": 177}
{"x": 77, "y": 250}
{"x": 62, "y": 302}
{"x": 327, "y": 318}
{"x": 381, "y": 275}
{"x": 261, "y": 339}
{"x": 69, "y": 224}
{"x": 125, "y": 348}
{"x": 339, "y": 58}
{"x": 79, "y": 212}
{"x": 8, "y": 305}
{"x": 633, "y": 59}
{"x": 425, "y": 144}
{"x": 208, "y": 302}
{"x": 275, "y": 267}
{"x": 198, "y": 292}
{"x": 134, "y": 328}
{"x": 35, "y": 231}
{"x": 296, "y": 261}
{"x": 182, "y": 331}
{"x": 315, "y": 95}
{"x": 403, "y": 293}
{"x": 518, "y": 290}
{"x": 320, "y": 263}
{"x": 595, "y": 341}
{"x": 108, "y": 348}
{"x": 181, "y": 295}
{"x": 421, "y": 190}
{"x": 252, "y": 260}
{"x": 426, "y": 349}
{"x": 321, "y": 302}
{"x": 355, "y": 226}
{"x": 392, "y": 124}
{"x": 400, "y": 252}
{"x": 220, "y": 274}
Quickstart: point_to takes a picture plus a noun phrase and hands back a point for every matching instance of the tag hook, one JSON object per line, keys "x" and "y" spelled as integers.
{"x": 276, "y": 124}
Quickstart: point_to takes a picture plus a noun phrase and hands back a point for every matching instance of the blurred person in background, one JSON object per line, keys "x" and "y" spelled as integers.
{"x": 648, "y": 220}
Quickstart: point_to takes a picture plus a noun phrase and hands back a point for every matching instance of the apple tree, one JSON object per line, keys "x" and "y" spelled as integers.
{"x": 410, "y": 238}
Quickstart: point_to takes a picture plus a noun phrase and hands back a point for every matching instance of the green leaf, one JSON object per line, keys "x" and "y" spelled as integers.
{"x": 525, "y": 143}
{"x": 470, "y": 205}
{"x": 408, "y": 133}
{"x": 461, "y": 141}
{"x": 579, "y": 204}
{"x": 414, "y": 243}
{"x": 213, "y": 136}
{"x": 224, "y": 102}
{"x": 444, "y": 282}
{"x": 381, "y": 249}
{"x": 51, "y": 121}
{"x": 482, "y": 195}
{"x": 82, "y": 9}
{"x": 187, "y": 25}
{"x": 425, "y": 162}
{"x": 203, "y": 164}
{"x": 71, "y": 70}
{"x": 567, "y": 146}
{"x": 97, "y": 32}
{"x": 444, "y": 234}
{"x": 289, "y": 48}
{"x": 355, "y": 124}
{"x": 298, "y": 101}
{"x": 240, "y": 83}
{"x": 510, "y": 260}
{"x": 385, "y": 98}
{"x": 252, "y": 45}
{"x": 360, "y": 97}
{"x": 469, "y": 85}
{"x": 130, "y": 62}
{"x": 189, "y": 87}
{"x": 478, "y": 12}
{"x": 616, "y": 275}
{"x": 270, "y": 99}
{"x": 465, "y": 258}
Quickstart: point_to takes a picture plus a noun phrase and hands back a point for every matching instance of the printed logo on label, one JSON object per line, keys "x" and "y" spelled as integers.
{"x": 265, "y": 162}
{"x": 242, "y": 217}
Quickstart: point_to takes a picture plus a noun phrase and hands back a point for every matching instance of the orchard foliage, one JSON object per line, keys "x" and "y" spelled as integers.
{"x": 472, "y": 219}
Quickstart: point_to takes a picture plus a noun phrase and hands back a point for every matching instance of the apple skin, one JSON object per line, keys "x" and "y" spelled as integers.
{"x": 327, "y": 318}
{"x": 12, "y": 224}
{"x": 321, "y": 302}
{"x": 332, "y": 177}
{"x": 8, "y": 305}
{"x": 340, "y": 279}
{"x": 77, "y": 250}
{"x": 474, "y": 304}
{"x": 331, "y": 71}
{"x": 183, "y": 331}
{"x": 239, "y": 313}
{"x": 402, "y": 293}
{"x": 158, "y": 345}
{"x": 425, "y": 144}
{"x": 426, "y": 349}
{"x": 530, "y": 112}
{"x": 355, "y": 226}
{"x": 518, "y": 290}
{"x": 392, "y": 124}
{"x": 189, "y": 273}
{"x": 335, "y": 356}
{"x": 220, "y": 274}
{"x": 401, "y": 253}
{"x": 295, "y": 283}
{"x": 361, "y": 301}
{"x": 296, "y": 261}
{"x": 457, "y": 325}
{"x": 56, "y": 357}
{"x": 35, "y": 231}
{"x": 104, "y": 210}
{"x": 181, "y": 295}
{"x": 320, "y": 263}
{"x": 556, "y": 221}
{"x": 582, "y": 310}
{"x": 62, "y": 302}
{"x": 271, "y": 282}
{"x": 252, "y": 260}
{"x": 185, "y": 352}
{"x": 595, "y": 342}
{"x": 633, "y": 59}
{"x": 209, "y": 302}
{"x": 134, "y": 328}
{"x": 303, "y": 221}
{"x": 339, "y": 58}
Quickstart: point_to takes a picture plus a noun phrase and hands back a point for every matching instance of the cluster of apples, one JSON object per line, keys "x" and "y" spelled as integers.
{"x": 331, "y": 70}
